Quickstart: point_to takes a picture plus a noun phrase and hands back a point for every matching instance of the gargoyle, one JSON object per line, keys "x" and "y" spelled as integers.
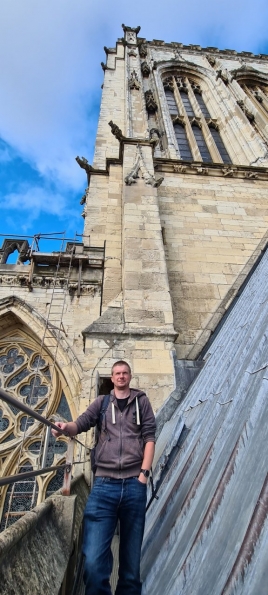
{"x": 116, "y": 131}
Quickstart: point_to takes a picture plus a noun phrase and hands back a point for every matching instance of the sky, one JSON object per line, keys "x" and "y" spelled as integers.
{"x": 50, "y": 90}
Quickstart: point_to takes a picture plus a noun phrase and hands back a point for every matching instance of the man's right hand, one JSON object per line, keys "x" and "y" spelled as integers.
{"x": 70, "y": 427}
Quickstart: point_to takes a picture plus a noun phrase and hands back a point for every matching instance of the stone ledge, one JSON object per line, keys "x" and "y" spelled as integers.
{"x": 40, "y": 543}
{"x": 112, "y": 323}
{"x": 246, "y": 172}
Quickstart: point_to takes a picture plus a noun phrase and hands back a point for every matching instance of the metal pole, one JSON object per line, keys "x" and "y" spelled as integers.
{"x": 66, "y": 488}
{"x": 21, "y": 476}
{"x": 22, "y": 407}
{"x": 19, "y": 405}
{"x": 45, "y": 451}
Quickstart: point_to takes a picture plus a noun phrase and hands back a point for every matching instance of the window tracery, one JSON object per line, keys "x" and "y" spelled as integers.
{"x": 255, "y": 105}
{"x": 26, "y": 375}
{"x": 197, "y": 134}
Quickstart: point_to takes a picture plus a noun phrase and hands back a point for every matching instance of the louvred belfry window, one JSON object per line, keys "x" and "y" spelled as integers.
{"x": 257, "y": 93}
{"x": 197, "y": 134}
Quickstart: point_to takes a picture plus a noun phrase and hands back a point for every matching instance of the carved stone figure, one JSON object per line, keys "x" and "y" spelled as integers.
{"x": 257, "y": 96}
{"x": 228, "y": 172}
{"x": 211, "y": 60}
{"x": 116, "y": 131}
{"x": 247, "y": 112}
{"x": 181, "y": 169}
{"x": 200, "y": 170}
{"x": 250, "y": 175}
{"x": 143, "y": 50}
{"x": 223, "y": 74}
{"x": 155, "y": 135}
{"x": 83, "y": 162}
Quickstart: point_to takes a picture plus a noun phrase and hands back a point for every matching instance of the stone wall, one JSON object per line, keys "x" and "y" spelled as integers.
{"x": 214, "y": 230}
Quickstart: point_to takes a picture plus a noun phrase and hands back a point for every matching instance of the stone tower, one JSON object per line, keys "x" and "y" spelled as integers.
{"x": 175, "y": 218}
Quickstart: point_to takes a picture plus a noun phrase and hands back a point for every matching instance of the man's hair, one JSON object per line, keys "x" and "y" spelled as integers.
{"x": 120, "y": 362}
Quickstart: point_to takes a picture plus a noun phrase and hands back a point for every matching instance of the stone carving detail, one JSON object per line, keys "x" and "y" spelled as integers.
{"x": 228, "y": 172}
{"x": 247, "y": 112}
{"x": 200, "y": 170}
{"x": 244, "y": 69}
{"x": 196, "y": 88}
{"x": 181, "y": 83}
{"x": 127, "y": 29}
{"x": 139, "y": 166}
{"x": 134, "y": 81}
{"x": 211, "y": 60}
{"x": 168, "y": 83}
{"x": 180, "y": 169}
{"x": 143, "y": 50}
{"x": 155, "y": 136}
{"x": 257, "y": 96}
{"x": 145, "y": 68}
{"x": 84, "y": 198}
{"x": 223, "y": 74}
{"x": 178, "y": 120}
{"x": 116, "y": 131}
{"x": 250, "y": 175}
{"x": 212, "y": 123}
{"x": 196, "y": 121}
{"x": 132, "y": 53}
{"x": 178, "y": 55}
{"x": 104, "y": 66}
{"x": 151, "y": 104}
{"x": 83, "y": 162}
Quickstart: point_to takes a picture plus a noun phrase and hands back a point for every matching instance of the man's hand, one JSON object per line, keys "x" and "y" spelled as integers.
{"x": 142, "y": 478}
{"x": 70, "y": 427}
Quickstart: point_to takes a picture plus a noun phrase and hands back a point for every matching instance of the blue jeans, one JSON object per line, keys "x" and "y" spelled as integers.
{"x": 112, "y": 500}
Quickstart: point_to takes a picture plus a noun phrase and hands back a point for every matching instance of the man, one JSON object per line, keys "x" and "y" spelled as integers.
{"x": 124, "y": 455}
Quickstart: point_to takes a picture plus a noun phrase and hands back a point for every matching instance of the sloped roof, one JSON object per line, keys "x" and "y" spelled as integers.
{"x": 208, "y": 532}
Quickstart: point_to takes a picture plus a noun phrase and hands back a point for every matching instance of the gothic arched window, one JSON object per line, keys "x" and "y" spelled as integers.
{"x": 33, "y": 380}
{"x": 256, "y": 96}
{"x": 197, "y": 134}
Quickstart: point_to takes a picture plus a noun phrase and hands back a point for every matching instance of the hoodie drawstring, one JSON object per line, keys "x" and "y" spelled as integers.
{"x": 113, "y": 413}
{"x": 137, "y": 413}
{"x": 138, "y": 421}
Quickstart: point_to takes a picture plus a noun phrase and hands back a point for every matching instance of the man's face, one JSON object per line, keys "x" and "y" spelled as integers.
{"x": 121, "y": 377}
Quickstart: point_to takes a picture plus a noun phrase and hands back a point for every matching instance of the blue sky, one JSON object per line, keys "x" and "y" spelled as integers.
{"x": 50, "y": 89}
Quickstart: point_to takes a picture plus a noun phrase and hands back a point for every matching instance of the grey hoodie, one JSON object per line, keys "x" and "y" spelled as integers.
{"x": 119, "y": 452}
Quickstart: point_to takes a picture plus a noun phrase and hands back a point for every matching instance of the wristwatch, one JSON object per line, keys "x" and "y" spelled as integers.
{"x": 145, "y": 472}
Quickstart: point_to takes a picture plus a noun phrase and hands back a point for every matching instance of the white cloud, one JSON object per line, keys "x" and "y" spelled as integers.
{"x": 50, "y": 75}
{"x": 29, "y": 202}
{"x": 5, "y": 154}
